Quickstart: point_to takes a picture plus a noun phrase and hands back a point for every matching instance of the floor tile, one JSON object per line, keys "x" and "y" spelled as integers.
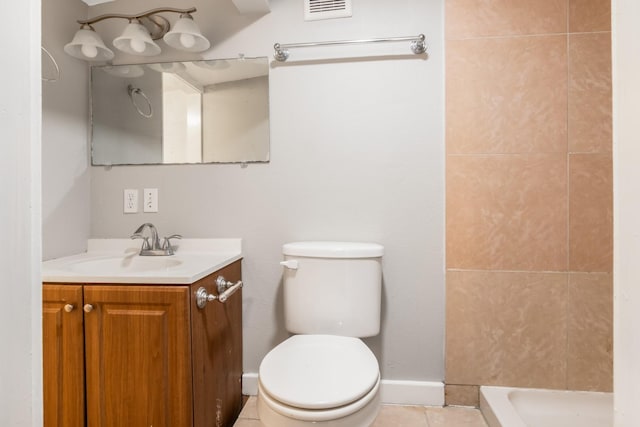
{"x": 250, "y": 409}
{"x": 395, "y": 416}
{"x": 455, "y": 417}
{"x": 401, "y": 416}
{"x": 248, "y": 423}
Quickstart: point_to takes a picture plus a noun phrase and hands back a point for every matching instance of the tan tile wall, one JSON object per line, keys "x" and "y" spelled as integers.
{"x": 529, "y": 195}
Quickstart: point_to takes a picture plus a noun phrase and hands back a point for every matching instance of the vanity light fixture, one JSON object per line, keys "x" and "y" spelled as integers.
{"x": 139, "y": 35}
{"x": 186, "y": 35}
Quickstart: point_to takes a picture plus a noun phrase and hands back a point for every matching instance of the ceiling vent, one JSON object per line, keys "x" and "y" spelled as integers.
{"x": 315, "y": 10}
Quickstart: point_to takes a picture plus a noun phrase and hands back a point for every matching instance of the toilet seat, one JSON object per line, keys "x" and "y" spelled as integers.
{"x": 367, "y": 406}
{"x": 319, "y": 373}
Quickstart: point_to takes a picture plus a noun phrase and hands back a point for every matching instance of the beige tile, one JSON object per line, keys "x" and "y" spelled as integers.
{"x": 590, "y": 333}
{"x": 462, "y": 395}
{"x": 479, "y": 18}
{"x": 590, "y": 212}
{"x": 401, "y": 416}
{"x": 245, "y": 422}
{"x": 589, "y": 15}
{"x": 590, "y": 105}
{"x": 455, "y": 417}
{"x": 506, "y": 328}
{"x": 250, "y": 409}
{"x": 507, "y": 212}
{"x": 411, "y": 416}
{"x": 506, "y": 95}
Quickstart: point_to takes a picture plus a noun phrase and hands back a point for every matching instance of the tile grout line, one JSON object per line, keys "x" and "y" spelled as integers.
{"x": 568, "y": 202}
{"x": 426, "y": 418}
{"x": 524, "y": 36}
{"x": 568, "y": 124}
{"x": 476, "y": 270}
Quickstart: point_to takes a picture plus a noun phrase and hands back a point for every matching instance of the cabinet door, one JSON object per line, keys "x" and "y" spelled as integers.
{"x": 217, "y": 354}
{"x": 138, "y": 356}
{"x": 63, "y": 355}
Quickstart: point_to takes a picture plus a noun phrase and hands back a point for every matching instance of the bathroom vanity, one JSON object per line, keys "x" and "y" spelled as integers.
{"x": 132, "y": 347}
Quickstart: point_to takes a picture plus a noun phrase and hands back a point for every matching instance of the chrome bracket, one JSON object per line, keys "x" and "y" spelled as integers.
{"x": 280, "y": 53}
{"x": 419, "y": 46}
{"x": 225, "y": 290}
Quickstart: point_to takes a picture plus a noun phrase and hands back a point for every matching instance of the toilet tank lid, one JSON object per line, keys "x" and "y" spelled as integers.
{"x": 333, "y": 249}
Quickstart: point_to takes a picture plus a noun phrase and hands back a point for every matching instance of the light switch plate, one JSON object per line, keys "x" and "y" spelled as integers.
{"x": 150, "y": 200}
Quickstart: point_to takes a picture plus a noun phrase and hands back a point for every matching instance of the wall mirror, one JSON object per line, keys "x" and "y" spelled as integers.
{"x": 214, "y": 111}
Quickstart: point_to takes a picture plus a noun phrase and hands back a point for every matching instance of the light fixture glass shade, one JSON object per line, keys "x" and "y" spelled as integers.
{"x": 135, "y": 40}
{"x": 168, "y": 67}
{"x": 88, "y": 45}
{"x": 186, "y": 35}
{"x": 124, "y": 71}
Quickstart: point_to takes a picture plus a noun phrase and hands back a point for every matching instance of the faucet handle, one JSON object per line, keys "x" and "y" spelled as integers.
{"x": 145, "y": 240}
{"x": 166, "y": 245}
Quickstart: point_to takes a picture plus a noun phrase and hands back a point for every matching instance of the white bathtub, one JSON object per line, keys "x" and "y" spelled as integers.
{"x": 523, "y": 407}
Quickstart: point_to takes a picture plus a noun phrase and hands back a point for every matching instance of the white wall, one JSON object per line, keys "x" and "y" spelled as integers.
{"x": 626, "y": 93}
{"x": 356, "y": 154}
{"x": 65, "y": 113}
{"x": 20, "y": 288}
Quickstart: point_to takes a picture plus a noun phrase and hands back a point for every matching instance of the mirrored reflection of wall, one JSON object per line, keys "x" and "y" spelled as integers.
{"x": 236, "y": 120}
{"x": 181, "y": 129}
{"x": 122, "y": 135}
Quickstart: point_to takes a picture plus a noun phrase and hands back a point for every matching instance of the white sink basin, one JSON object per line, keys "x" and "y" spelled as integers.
{"x": 129, "y": 264}
{"x": 117, "y": 261}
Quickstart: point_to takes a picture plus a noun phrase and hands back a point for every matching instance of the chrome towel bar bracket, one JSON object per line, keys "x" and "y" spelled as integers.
{"x": 225, "y": 290}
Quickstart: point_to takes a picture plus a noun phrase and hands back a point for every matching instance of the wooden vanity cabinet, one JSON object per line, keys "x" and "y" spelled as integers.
{"x": 63, "y": 355}
{"x": 151, "y": 356}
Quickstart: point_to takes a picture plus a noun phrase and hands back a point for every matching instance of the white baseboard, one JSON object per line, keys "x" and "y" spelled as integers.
{"x": 426, "y": 393}
{"x": 250, "y": 384}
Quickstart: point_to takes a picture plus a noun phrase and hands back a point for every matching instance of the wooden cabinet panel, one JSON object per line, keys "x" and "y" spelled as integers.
{"x": 142, "y": 355}
{"x": 63, "y": 356}
{"x": 217, "y": 354}
{"x": 138, "y": 356}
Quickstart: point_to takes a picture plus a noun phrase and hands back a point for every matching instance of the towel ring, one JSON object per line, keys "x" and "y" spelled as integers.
{"x": 137, "y": 91}
{"x": 55, "y": 64}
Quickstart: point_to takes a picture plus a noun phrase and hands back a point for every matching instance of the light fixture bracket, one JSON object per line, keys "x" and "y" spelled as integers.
{"x": 157, "y": 25}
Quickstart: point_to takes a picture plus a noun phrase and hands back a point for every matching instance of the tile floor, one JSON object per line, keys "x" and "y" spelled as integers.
{"x": 394, "y": 416}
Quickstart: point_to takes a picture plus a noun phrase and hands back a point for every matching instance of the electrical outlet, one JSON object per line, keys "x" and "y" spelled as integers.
{"x": 150, "y": 200}
{"x": 130, "y": 201}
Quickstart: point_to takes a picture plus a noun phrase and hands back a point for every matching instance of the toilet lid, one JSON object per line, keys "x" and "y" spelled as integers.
{"x": 319, "y": 371}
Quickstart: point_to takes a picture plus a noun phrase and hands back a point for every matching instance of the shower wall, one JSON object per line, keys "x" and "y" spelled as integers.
{"x": 529, "y": 195}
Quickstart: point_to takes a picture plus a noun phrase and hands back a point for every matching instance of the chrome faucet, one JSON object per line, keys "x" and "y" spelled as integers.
{"x": 151, "y": 245}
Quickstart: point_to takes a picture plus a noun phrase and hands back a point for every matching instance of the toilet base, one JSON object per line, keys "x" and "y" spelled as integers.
{"x": 361, "y": 418}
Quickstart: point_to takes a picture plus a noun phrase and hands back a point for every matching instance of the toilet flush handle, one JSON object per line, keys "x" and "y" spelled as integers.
{"x": 291, "y": 264}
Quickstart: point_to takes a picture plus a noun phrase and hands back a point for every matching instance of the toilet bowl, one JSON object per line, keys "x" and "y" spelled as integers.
{"x": 324, "y": 380}
{"x": 325, "y": 375}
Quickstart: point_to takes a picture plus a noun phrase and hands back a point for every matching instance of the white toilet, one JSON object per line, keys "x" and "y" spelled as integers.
{"x": 325, "y": 376}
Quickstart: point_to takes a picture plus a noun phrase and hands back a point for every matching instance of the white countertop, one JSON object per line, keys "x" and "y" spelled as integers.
{"x": 117, "y": 261}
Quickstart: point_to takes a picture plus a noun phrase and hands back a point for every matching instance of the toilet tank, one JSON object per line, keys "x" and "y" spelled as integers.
{"x": 332, "y": 288}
